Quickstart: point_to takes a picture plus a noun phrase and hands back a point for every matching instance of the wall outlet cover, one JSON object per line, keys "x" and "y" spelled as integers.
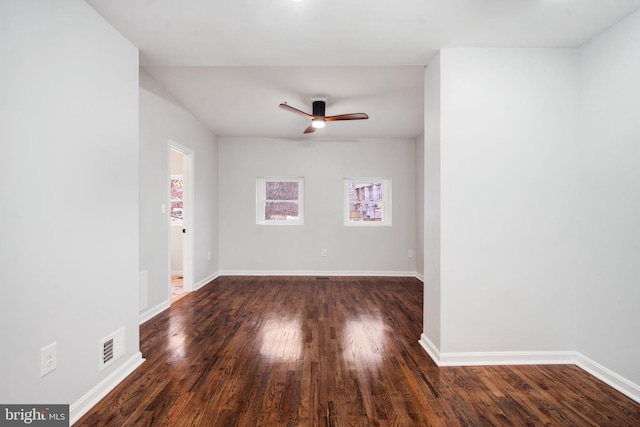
{"x": 48, "y": 359}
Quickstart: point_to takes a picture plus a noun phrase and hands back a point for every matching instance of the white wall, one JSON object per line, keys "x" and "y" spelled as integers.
{"x": 162, "y": 119}
{"x": 419, "y": 202}
{"x": 432, "y": 293}
{"x": 508, "y": 183}
{"x": 248, "y": 247}
{"x": 608, "y": 291}
{"x": 538, "y": 180}
{"x": 176, "y": 236}
{"x": 69, "y": 222}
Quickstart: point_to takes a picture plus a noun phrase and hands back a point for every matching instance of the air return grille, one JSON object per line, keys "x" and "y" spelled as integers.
{"x": 107, "y": 351}
{"x": 111, "y": 348}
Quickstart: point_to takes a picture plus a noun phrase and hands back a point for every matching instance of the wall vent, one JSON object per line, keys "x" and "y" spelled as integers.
{"x": 323, "y": 278}
{"x": 111, "y": 348}
{"x": 107, "y": 351}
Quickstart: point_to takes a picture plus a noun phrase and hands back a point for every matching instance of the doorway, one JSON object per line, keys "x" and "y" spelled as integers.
{"x": 180, "y": 221}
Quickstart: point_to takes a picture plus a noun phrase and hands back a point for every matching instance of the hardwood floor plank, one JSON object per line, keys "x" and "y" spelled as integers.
{"x": 295, "y": 351}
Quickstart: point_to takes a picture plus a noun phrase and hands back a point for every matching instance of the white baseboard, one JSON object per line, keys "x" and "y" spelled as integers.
{"x": 508, "y": 358}
{"x": 177, "y": 273}
{"x": 430, "y": 348}
{"x": 89, "y": 400}
{"x": 606, "y": 375}
{"x": 205, "y": 281}
{"x": 609, "y": 377}
{"x": 316, "y": 273}
{"x": 153, "y": 311}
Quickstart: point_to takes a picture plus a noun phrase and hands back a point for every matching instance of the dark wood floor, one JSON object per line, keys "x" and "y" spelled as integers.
{"x": 256, "y": 351}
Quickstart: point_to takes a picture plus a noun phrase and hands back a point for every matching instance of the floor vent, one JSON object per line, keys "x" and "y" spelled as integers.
{"x": 323, "y": 278}
{"x": 111, "y": 348}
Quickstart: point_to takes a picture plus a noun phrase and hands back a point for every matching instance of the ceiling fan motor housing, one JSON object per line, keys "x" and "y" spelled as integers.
{"x": 319, "y": 108}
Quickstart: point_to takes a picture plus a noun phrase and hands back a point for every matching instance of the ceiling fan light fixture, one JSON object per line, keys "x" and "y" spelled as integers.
{"x": 319, "y": 118}
{"x": 317, "y": 123}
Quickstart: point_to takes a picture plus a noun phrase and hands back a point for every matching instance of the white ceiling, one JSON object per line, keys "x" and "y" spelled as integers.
{"x": 232, "y": 62}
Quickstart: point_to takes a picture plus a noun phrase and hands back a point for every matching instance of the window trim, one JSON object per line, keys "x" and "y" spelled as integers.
{"x": 385, "y": 201}
{"x": 261, "y": 190}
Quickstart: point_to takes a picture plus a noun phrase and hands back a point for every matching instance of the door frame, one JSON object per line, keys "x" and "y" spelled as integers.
{"x": 187, "y": 214}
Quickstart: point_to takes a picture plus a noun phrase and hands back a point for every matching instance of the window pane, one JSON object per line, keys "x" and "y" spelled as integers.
{"x": 281, "y": 211}
{"x": 365, "y": 211}
{"x": 365, "y": 191}
{"x": 176, "y": 189}
{"x": 176, "y": 211}
{"x": 176, "y": 200}
{"x": 278, "y": 190}
{"x": 368, "y": 201}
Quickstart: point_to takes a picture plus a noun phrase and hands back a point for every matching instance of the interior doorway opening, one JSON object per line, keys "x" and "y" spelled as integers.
{"x": 180, "y": 221}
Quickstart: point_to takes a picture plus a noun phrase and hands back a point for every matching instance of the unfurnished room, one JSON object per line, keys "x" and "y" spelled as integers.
{"x": 320, "y": 213}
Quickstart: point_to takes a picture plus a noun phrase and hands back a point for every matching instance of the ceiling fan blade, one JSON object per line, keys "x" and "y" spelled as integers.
{"x": 295, "y": 110}
{"x": 310, "y": 129}
{"x": 352, "y": 116}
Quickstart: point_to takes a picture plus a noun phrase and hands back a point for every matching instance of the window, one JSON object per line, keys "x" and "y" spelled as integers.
{"x": 280, "y": 201}
{"x": 367, "y": 201}
{"x": 176, "y": 199}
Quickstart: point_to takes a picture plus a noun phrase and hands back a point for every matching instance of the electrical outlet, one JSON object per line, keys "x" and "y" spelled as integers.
{"x": 209, "y": 256}
{"x": 48, "y": 359}
{"x": 323, "y": 252}
{"x": 410, "y": 253}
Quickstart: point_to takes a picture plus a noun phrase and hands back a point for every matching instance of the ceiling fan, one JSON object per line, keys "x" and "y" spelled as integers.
{"x": 318, "y": 118}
